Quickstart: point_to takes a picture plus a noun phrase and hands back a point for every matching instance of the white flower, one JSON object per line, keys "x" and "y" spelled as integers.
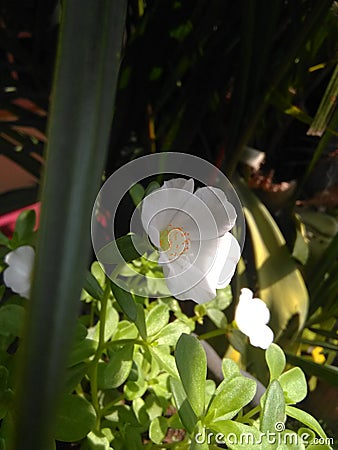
{"x": 191, "y": 232}
{"x": 18, "y": 274}
{"x": 251, "y": 317}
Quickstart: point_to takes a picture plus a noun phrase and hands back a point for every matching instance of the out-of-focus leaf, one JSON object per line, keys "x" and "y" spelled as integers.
{"x": 136, "y": 193}
{"x": 281, "y": 284}
{"x": 325, "y": 372}
{"x": 326, "y": 107}
{"x": 327, "y": 333}
{"x": 323, "y": 344}
{"x": 75, "y": 418}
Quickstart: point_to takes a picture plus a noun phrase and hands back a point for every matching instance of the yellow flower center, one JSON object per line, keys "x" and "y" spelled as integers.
{"x": 175, "y": 241}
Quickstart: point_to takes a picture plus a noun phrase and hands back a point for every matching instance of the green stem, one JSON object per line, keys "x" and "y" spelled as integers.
{"x": 106, "y": 408}
{"x": 211, "y": 334}
{"x": 98, "y": 355}
{"x": 250, "y": 414}
{"x": 128, "y": 341}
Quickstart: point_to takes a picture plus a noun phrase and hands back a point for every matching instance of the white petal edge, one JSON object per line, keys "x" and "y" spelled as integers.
{"x": 222, "y": 210}
{"x": 261, "y": 337}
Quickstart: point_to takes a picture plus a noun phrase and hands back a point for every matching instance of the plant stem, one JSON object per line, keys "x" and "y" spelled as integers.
{"x": 211, "y": 334}
{"x": 109, "y": 405}
{"x": 98, "y": 354}
{"x": 251, "y": 413}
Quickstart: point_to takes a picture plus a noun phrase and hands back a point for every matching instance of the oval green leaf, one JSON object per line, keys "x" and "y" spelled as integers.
{"x": 191, "y": 363}
{"x": 75, "y": 418}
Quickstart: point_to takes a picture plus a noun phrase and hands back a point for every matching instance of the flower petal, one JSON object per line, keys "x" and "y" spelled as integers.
{"x": 229, "y": 253}
{"x": 22, "y": 259}
{"x": 18, "y": 282}
{"x": 188, "y": 284}
{"x": 179, "y": 183}
{"x": 223, "y": 211}
{"x": 261, "y": 337}
{"x": 250, "y": 311}
{"x": 161, "y": 205}
{"x": 195, "y": 275}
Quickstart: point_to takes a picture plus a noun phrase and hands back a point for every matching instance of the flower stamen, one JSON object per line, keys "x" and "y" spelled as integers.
{"x": 175, "y": 241}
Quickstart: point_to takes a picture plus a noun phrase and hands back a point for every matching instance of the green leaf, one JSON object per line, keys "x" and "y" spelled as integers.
{"x": 136, "y": 193}
{"x": 74, "y": 375}
{"x": 326, "y": 107}
{"x": 281, "y": 284}
{"x": 306, "y": 434}
{"x": 153, "y": 406}
{"x": 158, "y": 429}
{"x": 24, "y": 226}
{"x": 95, "y": 441}
{"x": 294, "y": 385}
{"x": 230, "y": 397}
{"x": 319, "y": 447}
{"x": 82, "y": 352}
{"x": 152, "y": 187}
{"x": 12, "y": 319}
{"x": 125, "y": 301}
{"x": 3, "y": 239}
{"x": 191, "y": 363}
{"x": 140, "y": 321}
{"x": 125, "y": 330}
{"x": 92, "y": 286}
{"x": 217, "y": 317}
{"x": 306, "y": 419}
{"x": 110, "y": 326}
{"x": 122, "y": 250}
{"x": 97, "y": 270}
{"x": 170, "y": 334}
{"x": 115, "y": 373}
{"x": 230, "y": 369}
{"x": 6, "y": 401}
{"x": 157, "y": 319}
{"x": 185, "y": 411}
{"x": 75, "y": 418}
{"x": 3, "y": 378}
{"x": 165, "y": 360}
{"x": 222, "y": 300}
{"x": 327, "y": 333}
{"x": 198, "y": 443}
{"x": 238, "y": 435}
{"x": 135, "y": 389}
{"x": 273, "y": 408}
{"x": 210, "y": 388}
{"x": 275, "y": 359}
{"x": 324, "y": 372}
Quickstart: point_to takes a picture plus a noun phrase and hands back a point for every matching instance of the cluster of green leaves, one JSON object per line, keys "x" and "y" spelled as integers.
{"x": 137, "y": 377}
{"x": 215, "y": 415}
